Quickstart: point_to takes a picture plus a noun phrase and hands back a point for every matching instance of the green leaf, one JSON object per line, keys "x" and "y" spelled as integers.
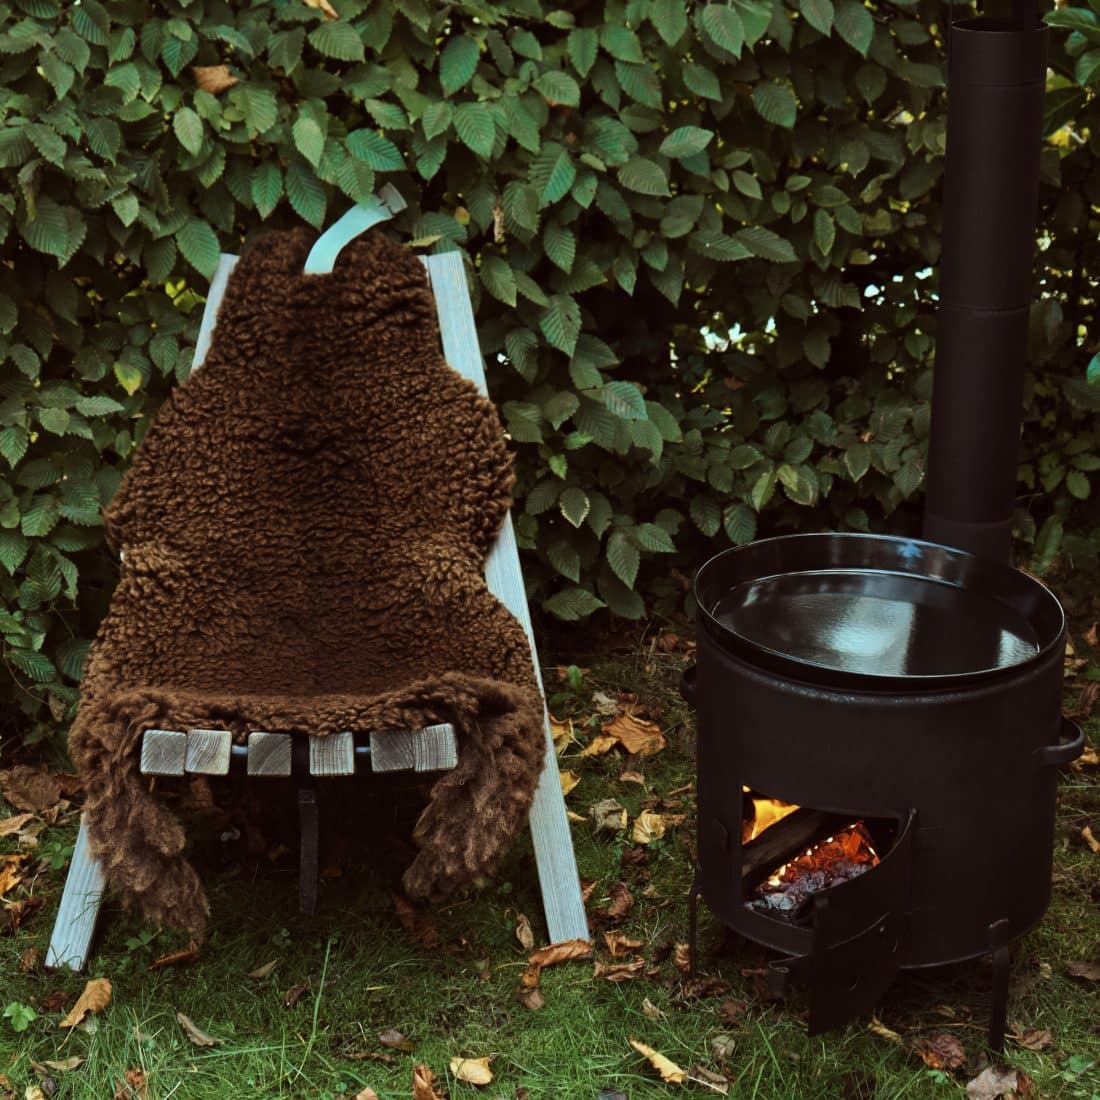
{"x": 799, "y": 483}
{"x": 20, "y": 1015}
{"x": 40, "y": 516}
{"x": 437, "y": 119}
{"x": 702, "y": 81}
{"x": 337, "y": 40}
{"x": 644, "y": 176}
{"x": 474, "y": 125}
{"x": 521, "y": 346}
{"x": 71, "y": 655}
{"x": 560, "y": 246}
{"x": 655, "y": 539}
{"x": 497, "y": 278}
{"x": 582, "y": 46}
{"x": 542, "y": 497}
{"x": 306, "y": 193}
{"x": 574, "y": 504}
{"x": 572, "y": 603}
{"x": 266, "y": 187}
{"x": 686, "y": 141}
{"x": 377, "y": 152}
{"x": 763, "y": 489}
{"x": 559, "y": 89}
{"x": 54, "y": 420}
{"x": 854, "y": 24}
{"x": 756, "y": 17}
{"x": 824, "y": 231}
{"x": 48, "y": 230}
{"x": 257, "y": 105}
{"x": 670, "y": 19}
{"x": 13, "y": 549}
{"x": 40, "y": 669}
{"x": 624, "y": 399}
{"x": 97, "y": 405}
{"x": 457, "y": 63}
{"x": 740, "y": 524}
{"x": 524, "y": 421}
{"x": 819, "y": 14}
{"x": 309, "y": 139}
{"x": 565, "y": 559}
{"x": 198, "y": 244}
{"x": 775, "y": 102}
{"x": 766, "y": 244}
{"x": 187, "y": 127}
{"x": 857, "y": 460}
{"x": 561, "y": 323}
{"x": 553, "y": 172}
{"x": 623, "y": 557}
{"x": 722, "y": 26}
{"x": 13, "y": 445}
{"x": 706, "y": 513}
{"x": 1078, "y": 484}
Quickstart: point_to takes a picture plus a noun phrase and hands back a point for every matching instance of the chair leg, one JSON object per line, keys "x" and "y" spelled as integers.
{"x": 308, "y": 869}
{"x": 70, "y": 943}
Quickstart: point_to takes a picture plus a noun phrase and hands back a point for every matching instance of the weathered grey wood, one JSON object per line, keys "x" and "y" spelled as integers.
{"x": 557, "y": 865}
{"x": 208, "y": 751}
{"x": 163, "y": 752}
{"x": 269, "y": 754}
{"x": 332, "y": 755}
{"x": 76, "y": 918}
{"x": 430, "y": 749}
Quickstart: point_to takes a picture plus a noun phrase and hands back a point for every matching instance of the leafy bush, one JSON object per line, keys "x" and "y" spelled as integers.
{"x": 702, "y": 239}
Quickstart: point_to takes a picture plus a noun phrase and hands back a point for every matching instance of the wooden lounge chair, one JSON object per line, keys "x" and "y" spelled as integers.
{"x": 211, "y": 752}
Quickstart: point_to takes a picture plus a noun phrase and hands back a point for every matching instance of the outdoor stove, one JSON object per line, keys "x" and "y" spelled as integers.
{"x": 880, "y": 718}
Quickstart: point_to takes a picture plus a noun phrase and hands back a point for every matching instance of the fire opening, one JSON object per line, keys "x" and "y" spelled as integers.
{"x": 791, "y": 853}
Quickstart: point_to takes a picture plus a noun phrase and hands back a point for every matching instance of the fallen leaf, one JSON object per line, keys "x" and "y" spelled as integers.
{"x": 262, "y": 972}
{"x": 562, "y": 732}
{"x": 45, "y": 1078}
{"x": 722, "y": 1047}
{"x": 630, "y": 776}
{"x": 213, "y": 78}
{"x": 648, "y": 827}
{"x": 6, "y": 1090}
{"x": 393, "y": 1039}
{"x": 474, "y": 1071}
{"x": 19, "y": 912}
{"x": 424, "y": 1084}
{"x": 11, "y": 871}
{"x": 569, "y": 780}
{"x": 1090, "y": 840}
{"x": 523, "y": 932}
{"x": 324, "y": 7}
{"x": 419, "y": 925}
{"x": 531, "y": 998}
{"x": 95, "y": 998}
{"x": 620, "y": 972}
{"x": 294, "y": 994}
{"x": 28, "y": 788}
{"x": 65, "y": 1064}
{"x": 13, "y": 824}
{"x": 560, "y": 953}
{"x": 588, "y": 885}
{"x": 636, "y": 735}
{"x": 733, "y": 1012}
{"x": 1087, "y": 971}
{"x": 605, "y": 705}
{"x": 600, "y": 744}
{"x": 716, "y": 1082}
{"x": 940, "y": 1051}
{"x": 56, "y": 1001}
{"x": 668, "y": 1069}
{"x": 995, "y": 1081}
{"x": 619, "y": 943}
{"x": 134, "y": 1084}
{"x": 681, "y": 957}
{"x": 195, "y": 1033}
{"x": 33, "y": 1092}
{"x": 651, "y": 1010}
{"x": 367, "y": 1093}
{"x": 29, "y": 959}
{"x": 183, "y": 955}
{"x": 576, "y": 818}
{"x": 622, "y": 901}
{"x": 1089, "y": 758}
{"x": 1037, "y": 1038}
{"x": 877, "y": 1027}
{"x": 695, "y": 989}
{"x": 608, "y": 815}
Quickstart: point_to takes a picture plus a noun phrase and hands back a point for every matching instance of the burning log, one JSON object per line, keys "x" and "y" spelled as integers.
{"x": 783, "y": 840}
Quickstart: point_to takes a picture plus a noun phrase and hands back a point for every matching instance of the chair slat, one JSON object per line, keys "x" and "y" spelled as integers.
{"x": 208, "y": 751}
{"x": 332, "y": 755}
{"x": 74, "y": 927}
{"x": 163, "y": 752}
{"x": 269, "y": 754}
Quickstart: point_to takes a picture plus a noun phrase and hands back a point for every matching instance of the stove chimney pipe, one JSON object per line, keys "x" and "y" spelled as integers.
{"x": 996, "y": 84}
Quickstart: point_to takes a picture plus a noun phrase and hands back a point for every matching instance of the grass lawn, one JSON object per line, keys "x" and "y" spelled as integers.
{"x": 448, "y": 982}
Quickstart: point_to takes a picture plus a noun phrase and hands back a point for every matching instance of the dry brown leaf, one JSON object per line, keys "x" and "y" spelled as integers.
{"x": 722, "y": 1047}
{"x": 651, "y": 1010}
{"x": 733, "y": 1012}
{"x": 569, "y": 779}
{"x": 562, "y": 732}
{"x": 562, "y": 952}
{"x": 193, "y": 1032}
{"x": 576, "y": 818}
{"x": 648, "y": 827}
{"x": 474, "y": 1071}
{"x": 622, "y": 901}
{"x": 529, "y": 994}
{"x": 695, "y": 989}
{"x": 393, "y": 1039}
{"x": 668, "y": 1069}
{"x": 325, "y": 7}
{"x": 995, "y": 1081}
{"x": 95, "y": 998}
{"x": 367, "y": 1093}
{"x": 1037, "y": 1038}
{"x": 877, "y": 1027}
{"x": 29, "y": 959}
{"x": 636, "y": 735}
{"x": 940, "y": 1051}
{"x": 424, "y": 1084}
{"x": 28, "y": 788}
{"x": 134, "y": 1085}
{"x": 183, "y": 955}
{"x": 523, "y": 932}
{"x": 620, "y": 972}
{"x": 608, "y": 816}
{"x": 11, "y": 871}
{"x": 1086, "y": 971}
{"x": 7, "y": 1092}
{"x": 1088, "y": 837}
{"x": 630, "y": 776}
{"x": 262, "y": 972}
{"x": 619, "y": 943}
{"x": 65, "y": 1064}
{"x": 33, "y": 1092}
{"x": 716, "y": 1082}
{"x": 213, "y": 78}
{"x": 1088, "y": 759}
{"x": 605, "y": 705}
{"x": 420, "y": 926}
{"x": 19, "y": 912}
{"x": 600, "y": 744}
{"x": 681, "y": 957}
{"x": 294, "y": 994}
{"x": 13, "y": 824}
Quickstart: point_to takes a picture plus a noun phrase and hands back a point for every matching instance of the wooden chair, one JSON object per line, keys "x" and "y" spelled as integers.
{"x": 211, "y": 752}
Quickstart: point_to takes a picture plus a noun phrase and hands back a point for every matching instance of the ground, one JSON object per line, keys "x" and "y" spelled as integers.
{"x": 357, "y": 997}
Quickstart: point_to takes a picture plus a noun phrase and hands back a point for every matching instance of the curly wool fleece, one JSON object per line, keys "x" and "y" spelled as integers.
{"x": 304, "y": 530}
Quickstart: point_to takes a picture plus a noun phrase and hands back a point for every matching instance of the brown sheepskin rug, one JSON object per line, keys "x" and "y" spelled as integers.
{"x": 304, "y": 531}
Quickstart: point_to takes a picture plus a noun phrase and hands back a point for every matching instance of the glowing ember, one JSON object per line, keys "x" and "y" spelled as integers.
{"x": 765, "y": 813}
{"x": 835, "y": 860}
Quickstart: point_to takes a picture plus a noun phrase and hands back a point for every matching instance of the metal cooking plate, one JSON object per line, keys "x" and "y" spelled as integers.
{"x": 877, "y": 623}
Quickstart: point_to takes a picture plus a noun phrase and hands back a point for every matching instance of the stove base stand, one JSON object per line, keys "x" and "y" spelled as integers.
{"x": 998, "y": 1013}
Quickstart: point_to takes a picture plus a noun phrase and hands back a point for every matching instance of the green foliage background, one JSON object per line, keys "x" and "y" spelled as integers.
{"x": 700, "y": 240}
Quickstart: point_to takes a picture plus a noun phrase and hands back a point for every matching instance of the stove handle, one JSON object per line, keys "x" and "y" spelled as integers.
{"x": 688, "y": 686}
{"x": 1069, "y": 746}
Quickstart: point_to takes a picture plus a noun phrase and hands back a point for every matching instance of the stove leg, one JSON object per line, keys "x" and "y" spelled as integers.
{"x": 998, "y": 1016}
{"x": 693, "y": 925}
{"x": 308, "y": 860}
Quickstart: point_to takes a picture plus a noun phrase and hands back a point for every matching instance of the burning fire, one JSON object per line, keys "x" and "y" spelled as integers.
{"x": 765, "y": 813}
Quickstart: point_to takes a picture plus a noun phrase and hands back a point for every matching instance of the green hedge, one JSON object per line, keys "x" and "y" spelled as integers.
{"x": 700, "y": 239}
